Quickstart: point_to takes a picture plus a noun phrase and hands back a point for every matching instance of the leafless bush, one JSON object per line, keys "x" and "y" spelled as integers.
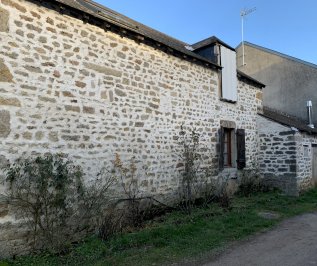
{"x": 96, "y": 199}
{"x": 189, "y": 145}
{"x": 250, "y": 181}
{"x": 111, "y": 223}
{"x": 137, "y": 204}
{"x": 223, "y": 194}
{"x": 47, "y": 192}
{"x": 198, "y": 185}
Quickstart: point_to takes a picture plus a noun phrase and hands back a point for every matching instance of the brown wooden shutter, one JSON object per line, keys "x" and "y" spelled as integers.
{"x": 241, "y": 160}
{"x": 221, "y": 133}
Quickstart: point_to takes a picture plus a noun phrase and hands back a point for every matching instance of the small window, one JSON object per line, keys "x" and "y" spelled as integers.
{"x": 231, "y": 148}
{"x": 227, "y": 147}
{"x": 306, "y": 155}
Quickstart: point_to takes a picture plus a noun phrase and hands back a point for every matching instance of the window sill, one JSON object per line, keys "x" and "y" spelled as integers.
{"x": 231, "y": 172}
{"x": 228, "y": 101}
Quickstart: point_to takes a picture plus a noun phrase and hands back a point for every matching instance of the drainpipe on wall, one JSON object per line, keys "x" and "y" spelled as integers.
{"x": 309, "y": 113}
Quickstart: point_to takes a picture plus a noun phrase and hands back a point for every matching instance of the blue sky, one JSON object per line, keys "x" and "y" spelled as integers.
{"x": 288, "y": 27}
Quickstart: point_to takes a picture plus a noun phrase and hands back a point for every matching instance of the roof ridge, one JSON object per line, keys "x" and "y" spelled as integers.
{"x": 268, "y": 50}
{"x": 113, "y": 12}
{"x": 210, "y": 40}
{"x": 282, "y": 113}
{"x": 286, "y": 119}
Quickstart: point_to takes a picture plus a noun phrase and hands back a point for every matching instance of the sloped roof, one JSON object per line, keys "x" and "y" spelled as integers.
{"x": 106, "y": 18}
{"x": 267, "y": 50}
{"x": 287, "y": 120}
{"x": 115, "y": 18}
{"x": 249, "y": 79}
{"x": 209, "y": 41}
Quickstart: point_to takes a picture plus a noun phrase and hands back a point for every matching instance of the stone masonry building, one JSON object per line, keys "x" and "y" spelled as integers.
{"x": 78, "y": 78}
{"x": 288, "y": 152}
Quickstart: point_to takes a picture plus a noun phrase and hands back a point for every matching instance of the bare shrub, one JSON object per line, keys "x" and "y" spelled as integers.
{"x": 137, "y": 204}
{"x": 39, "y": 189}
{"x": 223, "y": 194}
{"x": 111, "y": 223}
{"x": 189, "y": 145}
{"x": 250, "y": 181}
{"x": 47, "y": 192}
{"x": 197, "y": 185}
{"x": 207, "y": 187}
{"x": 96, "y": 199}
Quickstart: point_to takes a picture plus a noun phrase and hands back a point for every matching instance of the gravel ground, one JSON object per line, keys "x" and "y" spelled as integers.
{"x": 293, "y": 242}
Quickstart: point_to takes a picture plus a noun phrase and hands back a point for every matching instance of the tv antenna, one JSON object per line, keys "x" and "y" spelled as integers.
{"x": 243, "y": 14}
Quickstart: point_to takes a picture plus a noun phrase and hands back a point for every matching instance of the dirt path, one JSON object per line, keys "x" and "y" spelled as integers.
{"x": 293, "y": 242}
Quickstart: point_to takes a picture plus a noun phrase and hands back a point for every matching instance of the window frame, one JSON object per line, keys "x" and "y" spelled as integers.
{"x": 228, "y": 148}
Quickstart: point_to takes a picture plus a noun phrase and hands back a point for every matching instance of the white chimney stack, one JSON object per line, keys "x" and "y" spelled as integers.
{"x": 309, "y": 113}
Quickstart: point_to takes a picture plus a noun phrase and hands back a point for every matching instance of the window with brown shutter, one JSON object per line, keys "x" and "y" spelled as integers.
{"x": 231, "y": 148}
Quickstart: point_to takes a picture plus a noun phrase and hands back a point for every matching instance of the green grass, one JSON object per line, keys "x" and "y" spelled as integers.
{"x": 176, "y": 237}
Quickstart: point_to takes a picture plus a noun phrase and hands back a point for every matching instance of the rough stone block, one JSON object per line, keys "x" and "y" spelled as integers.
{"x": 67, "y": 94}
{"x": 121, "y": 55}
{"x": 289, "y": 143}
{"x": 14, "y": 5}
{"x": 259, "y": 95}
{"x": 50, "y": 21}
{"x": 292, "y": 168}
{"x": 53, "y": 136}
{"x": 139, "y": 124}
{"x": 4, "y": 19}
{"x": 71, "y": 108}
{"x": 5, "y": 74}
{"x": 227, "y": 124}
{"x": 47, "y": 99}
{"x": 120, "y": 93}
{"x": 80, "y": 84}
{"x": 88, "y": 110}
{"x": 39, "y": 135}
{"x": 10, "y": 101}
{"x": 103, "y": 70}
{"x": 27, "y": 135}
{"x": 70, "y": 137}
{"x": 34, "y": 28}
{"x": 104, "y": 95}
{"x": 5, "y": 126}
{"x": 33, "y": 69}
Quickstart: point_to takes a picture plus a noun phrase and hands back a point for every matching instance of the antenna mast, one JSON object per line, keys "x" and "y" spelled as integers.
{"x": 243, "y": 14}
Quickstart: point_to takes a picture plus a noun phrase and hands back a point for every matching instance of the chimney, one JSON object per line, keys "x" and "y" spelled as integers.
{"x": 309, "y": 113}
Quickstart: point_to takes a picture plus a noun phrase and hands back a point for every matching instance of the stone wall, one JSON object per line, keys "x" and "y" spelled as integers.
{"x": 67, "y": 86}
{"x": 277, "y": 155}
{"x": 285, "y": 156}
{"x": 304, "y": 153}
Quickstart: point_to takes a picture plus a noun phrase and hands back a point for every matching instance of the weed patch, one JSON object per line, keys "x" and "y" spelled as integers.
{"x": 177, "y": 236}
